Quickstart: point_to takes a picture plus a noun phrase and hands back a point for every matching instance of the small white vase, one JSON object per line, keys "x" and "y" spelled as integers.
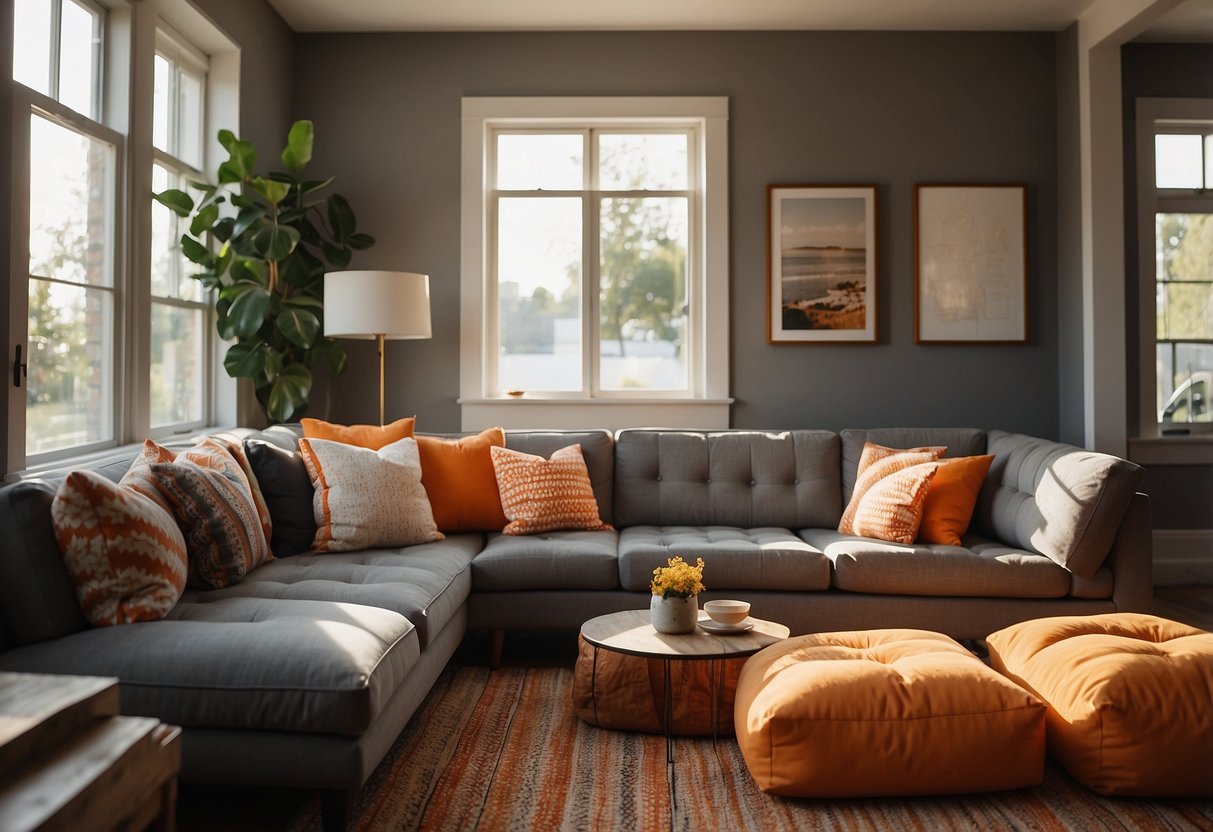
{"x": 674, "y": 616}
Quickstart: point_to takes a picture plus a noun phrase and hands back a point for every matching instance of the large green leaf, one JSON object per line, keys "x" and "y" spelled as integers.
{"x": 250, "y": 303}
{"x": 274, "y": 241}
{"x": 337, "y": 255}
{"x": 360, "y": 241}
{"x": 242, "y": 159}
{"x": 303, "y": 301}
{"x": 247, "y": 218}
{"x": 328, "y": 352}
{"x": 289, "y": 392}
{"x": 274, "y": 192}
{"x": 341, "y": 217}
{"x": 245, "y": 360}
{"x": 298, "y": 325}
{"x": 313, "y": 185}
{"x": 195, "y": 252}
{"x": 223, "y": 229}
{"x": 247, "y": 269}
{"x": 204, "y": 219}
{"x": 177, "y": 201}
{"x": 298, "y": 150}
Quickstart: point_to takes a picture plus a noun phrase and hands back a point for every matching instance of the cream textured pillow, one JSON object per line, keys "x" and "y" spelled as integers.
{"x": 367, "y": 498}
{"x": 877, "y": 462}
{"x": 123, "y": 550}
{"x": 892, "y": 508}
{"x": 543, "y": 495}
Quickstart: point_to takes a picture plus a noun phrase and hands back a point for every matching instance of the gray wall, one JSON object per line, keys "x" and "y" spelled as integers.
{"x": 1182, "y": 495}
{"x": 267, "y": 54}
{"x": 1070, "y": 405}
{"x": 805, "y": 107}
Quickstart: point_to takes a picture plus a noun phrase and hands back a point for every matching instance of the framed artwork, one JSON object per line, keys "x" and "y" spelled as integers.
{"x": 970, "y": 264}
{"x": 821, "y": 264}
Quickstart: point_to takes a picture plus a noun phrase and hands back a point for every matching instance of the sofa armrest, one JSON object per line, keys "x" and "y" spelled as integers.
{"x": 1132, "y": 558}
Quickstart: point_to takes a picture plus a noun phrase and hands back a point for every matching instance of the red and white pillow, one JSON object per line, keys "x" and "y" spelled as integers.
{"x": 123, "y": 550}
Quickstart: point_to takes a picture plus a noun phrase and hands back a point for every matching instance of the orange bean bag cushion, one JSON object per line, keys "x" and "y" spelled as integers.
{"x": 884, "y": 712}
{"x": 627, "y": 692}
{"x": 1130, "y": 698}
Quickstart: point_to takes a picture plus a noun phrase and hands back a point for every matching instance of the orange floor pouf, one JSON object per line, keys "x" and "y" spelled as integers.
{"x": 1130, "y": 698}
{"x": 884, "y": 712}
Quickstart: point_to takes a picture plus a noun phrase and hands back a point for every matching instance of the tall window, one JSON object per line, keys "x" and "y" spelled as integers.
{"x": 1177, "y": 246}
{"x": 179, "y": 310}
{"x": 595, "y": 259}
{"x": 72, "y": 227}
{"x": 592, "y": 249}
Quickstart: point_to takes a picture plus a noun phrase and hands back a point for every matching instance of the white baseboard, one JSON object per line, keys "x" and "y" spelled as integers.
{"x": 1183, "y": 556}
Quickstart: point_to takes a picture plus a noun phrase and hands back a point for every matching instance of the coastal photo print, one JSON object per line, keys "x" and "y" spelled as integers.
{"x": 821, "y": 264}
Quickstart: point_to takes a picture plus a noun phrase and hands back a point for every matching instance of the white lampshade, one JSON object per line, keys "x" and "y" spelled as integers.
{"x": 368, "y": 303}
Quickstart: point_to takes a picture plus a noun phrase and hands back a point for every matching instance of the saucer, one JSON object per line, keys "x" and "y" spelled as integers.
{"x": 726, "y": 629}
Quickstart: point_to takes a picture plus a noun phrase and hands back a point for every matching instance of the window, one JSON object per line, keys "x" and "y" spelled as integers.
{"x": 177, "y": 385}
{"x": 71, "y": 297}
{"x": 115, "y": 337}
{"x": 1176, "y": 205}
{"x": 602, "y": 267}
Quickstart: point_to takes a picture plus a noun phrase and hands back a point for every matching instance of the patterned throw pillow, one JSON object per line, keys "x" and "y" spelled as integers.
{"x": 373, "y": 437}
{"x": 875, "y": 463}
{"x": 124, "y": 553}
{"x": 366, "y": 498}
{"x": 543, "y": 495}
{"x": 892, "y": 508}
{"x": 458, "y": 477}
{"x": 951, "y": 499}
{"x": 209, "y": 497}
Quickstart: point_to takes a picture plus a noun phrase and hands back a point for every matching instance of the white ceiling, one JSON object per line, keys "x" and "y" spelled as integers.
{"x": 1191, "y": 21}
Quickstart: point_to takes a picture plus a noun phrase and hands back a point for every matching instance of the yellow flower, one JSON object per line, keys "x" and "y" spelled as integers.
{"x": 678, "y": 579}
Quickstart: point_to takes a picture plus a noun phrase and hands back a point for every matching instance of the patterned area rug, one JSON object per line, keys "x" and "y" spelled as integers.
{"x": 503, "y": 751}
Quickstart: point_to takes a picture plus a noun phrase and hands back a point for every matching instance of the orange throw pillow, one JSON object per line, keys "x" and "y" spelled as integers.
{"x": 952, "y": 497}
{"x": 543, "y": 495}
{"x": 875, "y": 463}
{"x": 892, "y": 508}
{"x": 123, "y": 550}
{"x": 373, "y": 437}
{"x": 459, "y": 479}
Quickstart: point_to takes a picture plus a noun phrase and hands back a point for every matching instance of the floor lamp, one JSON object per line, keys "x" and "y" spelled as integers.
{"x": 379, "y": 305}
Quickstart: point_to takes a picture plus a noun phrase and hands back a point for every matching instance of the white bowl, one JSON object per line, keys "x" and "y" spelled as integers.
{"x": 727, "y": 612}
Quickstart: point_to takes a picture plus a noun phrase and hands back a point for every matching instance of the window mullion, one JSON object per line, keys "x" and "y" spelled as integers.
{"x": 56, "y": 43}
{"x": 592, "y": 269}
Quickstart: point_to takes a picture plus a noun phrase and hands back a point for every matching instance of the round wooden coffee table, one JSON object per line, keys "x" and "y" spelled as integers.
{"x": 631, "y": 633}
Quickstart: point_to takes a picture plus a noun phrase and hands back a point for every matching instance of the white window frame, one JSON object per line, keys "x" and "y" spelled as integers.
{"x": 1155, "y": 115}
{"x": 179, "y": 52}
{"x": 124, "y": 91}
{"x": 705, "y": 403}
{"x": 28, "y": 102}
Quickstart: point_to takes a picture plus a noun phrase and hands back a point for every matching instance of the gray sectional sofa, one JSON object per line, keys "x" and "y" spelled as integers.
{"x": 305, "y": 672}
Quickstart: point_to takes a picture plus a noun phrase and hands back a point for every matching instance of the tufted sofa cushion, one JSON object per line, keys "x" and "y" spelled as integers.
{"x": 1055, "y": 499}
{"x": 746, "y": 479}
{"x": 761, "y": 558}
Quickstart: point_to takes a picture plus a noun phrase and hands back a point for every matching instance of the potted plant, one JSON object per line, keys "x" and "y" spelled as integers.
{"x": 263, "y": 243}
{"x": 675, "y": 606}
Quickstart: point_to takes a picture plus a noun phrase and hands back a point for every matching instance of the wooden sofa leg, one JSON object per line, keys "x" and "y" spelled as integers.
{"x": 496, "y": 646}
{"x": 335, "y": 809}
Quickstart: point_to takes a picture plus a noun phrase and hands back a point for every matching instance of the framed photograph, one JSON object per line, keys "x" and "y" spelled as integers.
{"x": 970, "y": 264}
{"x": 821, "y": 264}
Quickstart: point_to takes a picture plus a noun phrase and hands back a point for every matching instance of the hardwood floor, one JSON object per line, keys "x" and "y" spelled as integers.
{"x": 205, "y": 808}
{"x": 1190, "y": 604}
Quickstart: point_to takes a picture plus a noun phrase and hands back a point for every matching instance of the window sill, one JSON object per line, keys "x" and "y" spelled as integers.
{"x": 1194, "y": 449}
{"x": 561, "y": 413}
{"x": 70, "y": 463}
